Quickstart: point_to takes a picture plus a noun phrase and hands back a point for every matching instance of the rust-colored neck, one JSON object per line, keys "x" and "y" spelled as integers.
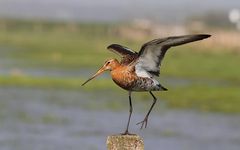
{"x": 114, "y": 64}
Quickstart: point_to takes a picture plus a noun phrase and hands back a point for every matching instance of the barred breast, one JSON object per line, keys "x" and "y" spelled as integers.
{"x": 128, "y": 80}
{"x": 123, "y": 77}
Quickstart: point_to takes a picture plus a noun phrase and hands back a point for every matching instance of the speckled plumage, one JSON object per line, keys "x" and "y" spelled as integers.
{"x": 127, "y": 79}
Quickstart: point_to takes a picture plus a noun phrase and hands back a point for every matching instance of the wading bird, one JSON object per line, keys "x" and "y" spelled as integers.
{"x": 137, "y": 71}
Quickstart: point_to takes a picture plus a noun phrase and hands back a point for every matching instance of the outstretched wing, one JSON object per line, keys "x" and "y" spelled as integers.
{"x": 152, "y": 53}
{"x": 127, "y": 54}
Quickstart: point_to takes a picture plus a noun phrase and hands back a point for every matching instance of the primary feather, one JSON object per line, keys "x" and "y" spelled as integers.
{"x": 152, "y": 52}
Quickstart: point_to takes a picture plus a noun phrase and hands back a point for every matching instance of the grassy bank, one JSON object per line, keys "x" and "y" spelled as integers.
{"x": 86, "y": 47}
{"x": 199, "y": 96}
{"x": 79, "y": 46}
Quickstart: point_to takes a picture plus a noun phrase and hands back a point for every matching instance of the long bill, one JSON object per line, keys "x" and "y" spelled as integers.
{"x": 101, "y": 70}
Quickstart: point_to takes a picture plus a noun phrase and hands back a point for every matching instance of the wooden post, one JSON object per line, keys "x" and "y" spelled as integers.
{"x": 125, "y": 142}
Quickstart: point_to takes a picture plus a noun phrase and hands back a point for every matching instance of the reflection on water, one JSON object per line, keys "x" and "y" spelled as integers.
{"x": 55, "y": 119}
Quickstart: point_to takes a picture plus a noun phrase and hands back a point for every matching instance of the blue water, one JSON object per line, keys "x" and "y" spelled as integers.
{"x": 57, "y": 120}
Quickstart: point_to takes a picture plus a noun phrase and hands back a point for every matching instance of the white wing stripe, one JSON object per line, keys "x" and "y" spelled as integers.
{"x": 141, "y": 72}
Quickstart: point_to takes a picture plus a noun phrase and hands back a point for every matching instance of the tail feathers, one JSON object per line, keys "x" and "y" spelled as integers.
{"x": 164, "y": 89}
{"x": 161, "y": 88}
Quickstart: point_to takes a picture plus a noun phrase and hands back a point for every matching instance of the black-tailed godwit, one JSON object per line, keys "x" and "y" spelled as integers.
{"x": 137, "y": 71}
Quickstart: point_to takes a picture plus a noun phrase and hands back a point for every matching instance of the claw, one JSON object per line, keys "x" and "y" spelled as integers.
{"x": 127, "y": 133}
{"x": 143, "y": 123}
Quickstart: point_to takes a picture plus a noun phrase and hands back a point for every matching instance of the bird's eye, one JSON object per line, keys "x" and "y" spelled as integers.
{"x": 108, "y": 62}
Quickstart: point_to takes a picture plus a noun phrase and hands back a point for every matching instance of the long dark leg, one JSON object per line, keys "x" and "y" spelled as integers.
{"x": 145, "y": 120}
{"x": 130, "y": 113}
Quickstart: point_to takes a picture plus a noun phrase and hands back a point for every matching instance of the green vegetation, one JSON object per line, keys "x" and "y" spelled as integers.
{"x": 80, "y": 46}
{"x": 45, "y": 118}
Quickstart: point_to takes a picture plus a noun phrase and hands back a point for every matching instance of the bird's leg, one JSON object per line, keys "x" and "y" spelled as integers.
{"x": 130, "y": 113}
{"x": 145, "y": 120}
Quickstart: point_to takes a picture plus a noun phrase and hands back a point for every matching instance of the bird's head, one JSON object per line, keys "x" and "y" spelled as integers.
{"x": 108, "y": 65}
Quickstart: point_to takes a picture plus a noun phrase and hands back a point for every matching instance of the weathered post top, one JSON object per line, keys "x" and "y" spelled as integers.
{"x": 125, "y": 142}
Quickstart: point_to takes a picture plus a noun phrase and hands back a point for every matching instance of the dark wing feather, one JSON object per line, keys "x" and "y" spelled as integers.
{"x": 152, "y": 53}
{"x": 127, "y": 54}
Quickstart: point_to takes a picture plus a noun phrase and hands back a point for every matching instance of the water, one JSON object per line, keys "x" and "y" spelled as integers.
{"x": 56, "y": 119}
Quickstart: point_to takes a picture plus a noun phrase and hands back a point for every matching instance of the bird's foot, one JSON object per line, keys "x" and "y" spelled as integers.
{"x": 143, "y": 123}
{"x": 127, "y": 133}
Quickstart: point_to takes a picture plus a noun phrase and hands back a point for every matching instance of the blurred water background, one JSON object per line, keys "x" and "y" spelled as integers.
{"x": 49, "y": 47}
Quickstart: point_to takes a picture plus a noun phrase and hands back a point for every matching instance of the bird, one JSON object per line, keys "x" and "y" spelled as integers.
{"x": 137, "y": 71}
